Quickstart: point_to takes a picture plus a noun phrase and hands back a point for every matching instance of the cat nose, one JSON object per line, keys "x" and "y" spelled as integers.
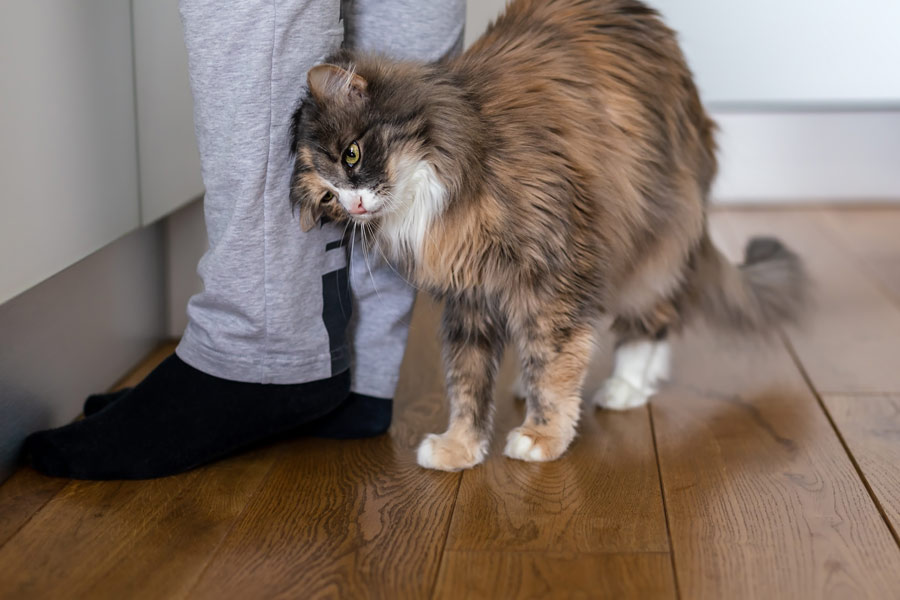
{"x": 357, "y": 207}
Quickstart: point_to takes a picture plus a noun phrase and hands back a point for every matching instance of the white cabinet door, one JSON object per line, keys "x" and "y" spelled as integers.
{"x": 801, "y": 52}
{"x": 169, "y": 161}
{"x": 68, "y": 168}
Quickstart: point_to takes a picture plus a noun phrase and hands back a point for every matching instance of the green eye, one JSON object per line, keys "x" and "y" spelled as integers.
{"x": 328, "y": 197}
{"x": 351, "y": 155}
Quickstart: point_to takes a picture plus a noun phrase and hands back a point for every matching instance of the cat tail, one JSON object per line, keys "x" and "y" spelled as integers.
{"x": 770, "y": 288}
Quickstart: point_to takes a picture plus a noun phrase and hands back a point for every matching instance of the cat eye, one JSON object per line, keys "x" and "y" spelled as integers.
{"x": 351, "y": 155}
{"x": 328, "y": 197}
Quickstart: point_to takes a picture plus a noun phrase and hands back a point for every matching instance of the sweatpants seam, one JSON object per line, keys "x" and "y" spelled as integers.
{"x": 263, "y": 374}
{"x": 215, "y": 355}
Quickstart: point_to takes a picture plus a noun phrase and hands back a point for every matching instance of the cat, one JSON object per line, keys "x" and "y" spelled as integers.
{"x": 556, "y": 172}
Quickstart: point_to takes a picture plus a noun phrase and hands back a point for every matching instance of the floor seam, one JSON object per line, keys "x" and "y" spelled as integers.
{"x": 662, "y": 492}
{"x": 34, "y": 514}
{"x": 859, "y": 472}
{"x": 437, "y": 575}
{"x": 212, "y": 554}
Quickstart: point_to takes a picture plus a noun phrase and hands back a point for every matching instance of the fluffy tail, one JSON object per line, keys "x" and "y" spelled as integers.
{"x": 769, "y": 289}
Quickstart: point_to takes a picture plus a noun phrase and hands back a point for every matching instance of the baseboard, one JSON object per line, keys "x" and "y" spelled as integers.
{"x": 816, "y": 157}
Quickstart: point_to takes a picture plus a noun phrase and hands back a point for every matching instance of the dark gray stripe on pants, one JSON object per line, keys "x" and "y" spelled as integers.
{"x": 336, "y": 311}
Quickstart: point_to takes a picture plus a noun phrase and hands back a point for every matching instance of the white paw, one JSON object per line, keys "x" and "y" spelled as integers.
{"x": 445, "y": 453}
{"x": 618, "y": 394}
{"x": 521, "y": 446}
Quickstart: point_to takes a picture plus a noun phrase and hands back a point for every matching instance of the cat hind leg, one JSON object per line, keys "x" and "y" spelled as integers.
{"x": 640, "y": 367}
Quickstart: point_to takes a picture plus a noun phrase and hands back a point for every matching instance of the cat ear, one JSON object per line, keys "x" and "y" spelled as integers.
{"x": 330, "y": 82}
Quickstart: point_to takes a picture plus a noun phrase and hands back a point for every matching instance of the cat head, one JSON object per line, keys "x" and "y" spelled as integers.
{"x": 362, "y": 149}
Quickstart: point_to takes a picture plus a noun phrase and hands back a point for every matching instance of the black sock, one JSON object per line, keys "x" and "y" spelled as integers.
{"x": 176, "y": 419}
{"x": 97, "y": 402}
{"x": 359, "y": 416}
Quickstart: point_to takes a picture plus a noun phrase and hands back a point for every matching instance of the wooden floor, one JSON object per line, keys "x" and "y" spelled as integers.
{"x": 760, "y": 472}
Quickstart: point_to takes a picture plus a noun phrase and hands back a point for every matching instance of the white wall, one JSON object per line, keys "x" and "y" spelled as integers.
{"x": 807, "y": 93}
{"x": 808, "y": 157}
{"x": 838, "y": 53}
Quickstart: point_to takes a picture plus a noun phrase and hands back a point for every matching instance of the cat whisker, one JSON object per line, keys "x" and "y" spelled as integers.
{"x": 366, "y": 260}
{"x": 399, "y": 274}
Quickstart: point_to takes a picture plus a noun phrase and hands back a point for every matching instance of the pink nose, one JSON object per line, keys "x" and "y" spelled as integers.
{"x": 358, "y": 208}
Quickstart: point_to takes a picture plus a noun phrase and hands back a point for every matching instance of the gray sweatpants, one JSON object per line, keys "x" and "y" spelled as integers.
{"x": 276, "y": 307}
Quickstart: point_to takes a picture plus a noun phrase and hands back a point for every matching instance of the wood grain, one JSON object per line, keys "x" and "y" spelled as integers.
{"x": 132, "y": 539}
{"x": 349, "y": 519}
{"x": 761, "y": 497}
{"x": 603, "y": 495}
{"x": 492, "y": 575}
{"x": 23, "y": 495}
{"x": 870, "y": 425}
{"x": 872, "y": 237}
{"x": 27, "y": 491}
{"x": 762, "y": 500}
{"x": 850, "y": 339}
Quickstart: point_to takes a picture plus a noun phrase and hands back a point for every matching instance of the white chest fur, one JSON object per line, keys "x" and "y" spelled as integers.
{"x": 418, "y": 200}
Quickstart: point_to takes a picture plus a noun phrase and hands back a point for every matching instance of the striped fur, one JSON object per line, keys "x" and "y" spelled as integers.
{"x": 556, "y": 172}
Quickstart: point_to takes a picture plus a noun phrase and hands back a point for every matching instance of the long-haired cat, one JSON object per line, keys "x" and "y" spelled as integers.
{"x": 556, "y": 172}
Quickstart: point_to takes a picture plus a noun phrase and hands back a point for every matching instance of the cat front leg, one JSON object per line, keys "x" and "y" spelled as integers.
{"x": 473, "y": 339}
{"x": 555, "y": 358}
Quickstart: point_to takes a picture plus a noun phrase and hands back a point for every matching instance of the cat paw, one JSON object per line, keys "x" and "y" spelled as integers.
{"x": 446, "y": 453}
{"x": 525, "y": 443}
{"x": 618, "y": 394}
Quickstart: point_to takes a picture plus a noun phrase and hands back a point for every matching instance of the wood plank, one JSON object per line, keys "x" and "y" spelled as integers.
{"x": 23, "y": 495}
{"x": 849, "y": 343}
{"x": 569, "y": 527}
{"x": 27, "y": 491}
{"x": 129, "y": 539}
{"x": 872, "y": 237}
{"x": 870, "y": 425}
{"x": 603, "y": 495}
{"x": 492, "y": 575}
{"x": 349, "y": 519}
{"x": 761, "y": 497}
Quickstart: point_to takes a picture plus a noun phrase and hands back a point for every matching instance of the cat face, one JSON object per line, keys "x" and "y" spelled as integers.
{"x": 353, "y": 155}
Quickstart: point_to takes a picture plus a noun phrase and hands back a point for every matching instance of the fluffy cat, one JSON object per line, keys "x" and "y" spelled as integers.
{"x": 556, "y": 172}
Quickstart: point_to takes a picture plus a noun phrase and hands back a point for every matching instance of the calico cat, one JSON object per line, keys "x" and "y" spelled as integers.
{"x": 556, "y": 172}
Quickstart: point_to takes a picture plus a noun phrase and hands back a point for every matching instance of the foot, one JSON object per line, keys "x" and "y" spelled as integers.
{"x": 640, "y": 368}
{"x": 618, "y": 394}
{"x": 176, "y": 419}
{"x": 535, "y": 444}
{"x": 446, "y": 452}
{"x": 97, "y": 402}
{"x": 359, "y": 416}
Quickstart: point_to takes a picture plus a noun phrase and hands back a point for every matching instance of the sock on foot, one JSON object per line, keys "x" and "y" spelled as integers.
{"x": 177, "y": 419}
{"x": 97, "y": 402}
{"x": 359, "y": 416}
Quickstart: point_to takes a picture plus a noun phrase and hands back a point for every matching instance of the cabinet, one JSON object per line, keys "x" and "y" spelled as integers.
{"x": 96, "y": 129}
{"x": 167, "y": 149}
{"x": 68, "y": 149}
